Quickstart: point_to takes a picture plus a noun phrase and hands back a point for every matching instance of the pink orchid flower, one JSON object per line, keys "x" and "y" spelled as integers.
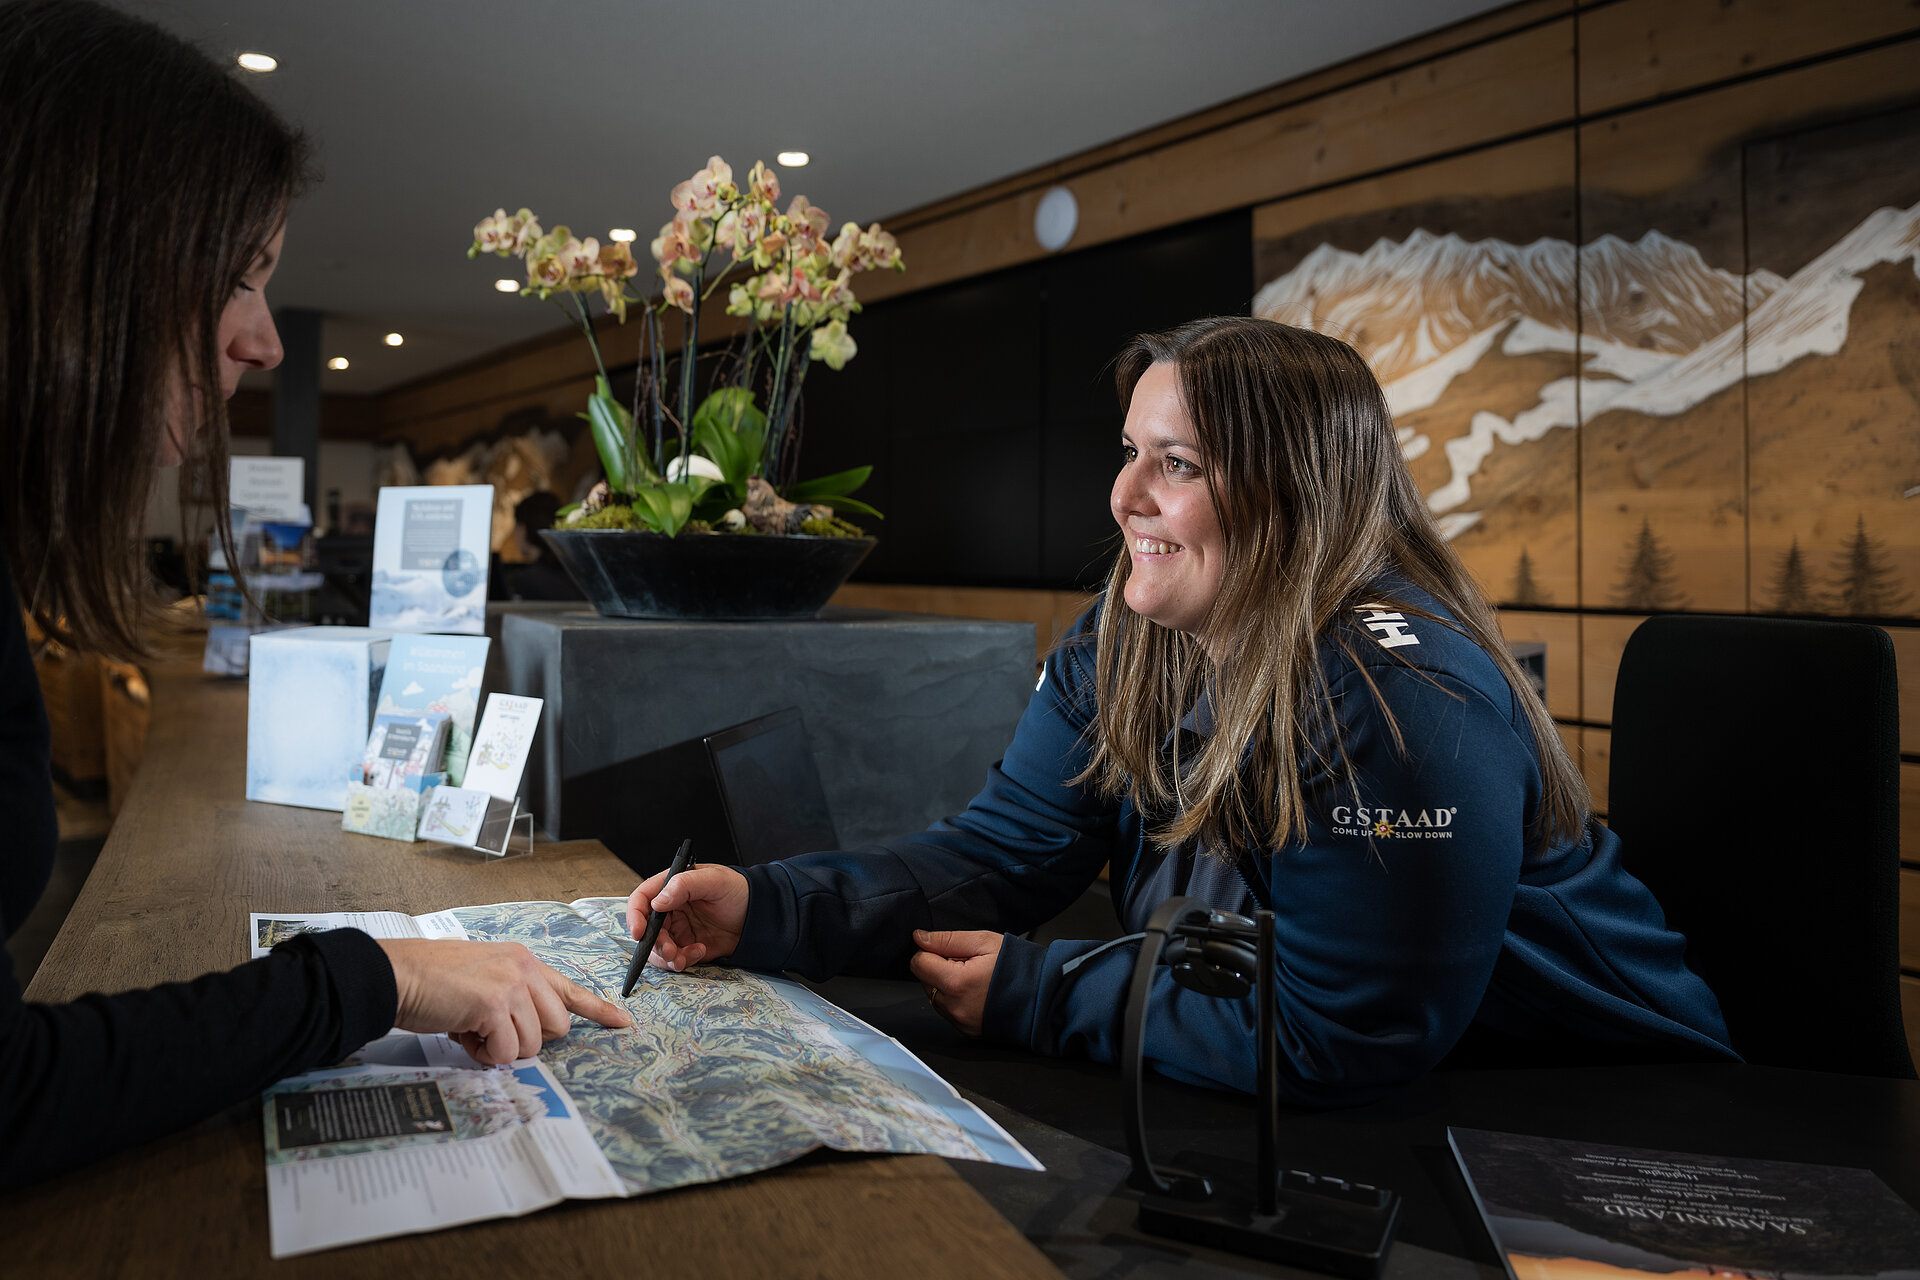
{"x": 763, "y": 183}
{"x": 803, "y": 214}
{"x": 883, "y": 251}
{"x": 546, "y": 272}
{"x": 523, "y": 229}
{"x": 700, "y": 194}
{"x": 616, "y": 261}
{"x": 667, "y": 245}
{"x": 490, "y": 234}
{"x": 678, "y": 292}
{"x": 581, "y": 257}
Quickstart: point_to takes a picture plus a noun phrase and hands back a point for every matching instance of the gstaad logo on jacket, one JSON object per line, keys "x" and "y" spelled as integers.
{"x": 1391, "y": 822}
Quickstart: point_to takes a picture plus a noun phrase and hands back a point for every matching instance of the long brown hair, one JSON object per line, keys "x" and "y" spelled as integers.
{"x": 138, "y": 183}
{"x": 1315, "y": 504}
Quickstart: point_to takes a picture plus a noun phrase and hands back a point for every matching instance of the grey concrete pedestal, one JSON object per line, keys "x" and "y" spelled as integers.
{"x": 906, "y": 712}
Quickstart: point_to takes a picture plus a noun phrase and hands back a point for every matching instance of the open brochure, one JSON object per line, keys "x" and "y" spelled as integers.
{"x": 723, "y": 1073}
{"x": 1559, "y": 1209}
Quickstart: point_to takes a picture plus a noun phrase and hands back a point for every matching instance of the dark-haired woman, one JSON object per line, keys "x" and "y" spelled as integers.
{"x": 143, "y": 194}
{"x": 1291, "y": 696}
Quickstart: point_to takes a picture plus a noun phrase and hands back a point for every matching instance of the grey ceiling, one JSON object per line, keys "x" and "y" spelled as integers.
{"x": 430, "y": 115}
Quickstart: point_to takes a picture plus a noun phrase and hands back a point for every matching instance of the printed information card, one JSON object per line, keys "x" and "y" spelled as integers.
{"x": 431, "y": 545}
{"x": 501, "y": 746}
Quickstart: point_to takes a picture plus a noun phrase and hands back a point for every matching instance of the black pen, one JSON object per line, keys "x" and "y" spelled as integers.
{"x": 654, "y": 918}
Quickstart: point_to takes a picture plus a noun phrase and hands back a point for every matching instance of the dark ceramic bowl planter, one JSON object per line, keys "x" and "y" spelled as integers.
{"x": 714, "y": 576}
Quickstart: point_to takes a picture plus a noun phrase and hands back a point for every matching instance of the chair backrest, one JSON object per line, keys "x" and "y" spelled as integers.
{"x": 1754, "y": 785}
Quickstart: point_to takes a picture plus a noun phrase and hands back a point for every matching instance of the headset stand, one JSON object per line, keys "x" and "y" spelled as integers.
{"x": 1292, "y": 1217}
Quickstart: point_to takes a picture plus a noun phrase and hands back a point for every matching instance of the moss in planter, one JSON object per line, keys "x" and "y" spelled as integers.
{"x": 608, "y": 517}
{"x": 615, "y": 516}
{"x": 831, "y": 527}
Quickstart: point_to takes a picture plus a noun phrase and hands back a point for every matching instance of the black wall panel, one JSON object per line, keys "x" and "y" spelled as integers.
{"x": 988, "y": 411}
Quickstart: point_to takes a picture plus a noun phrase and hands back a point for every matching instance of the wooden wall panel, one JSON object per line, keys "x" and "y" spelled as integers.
{"x": 1910, "y": 919}
{"x": 1596, "y": 756}
{"x": 1454, "y": 279}
{"x": 1833, "y": 356}
{"x": 1603, "y": 637}
{"x": 536, "y": 366}
{"x": 1910, "y": 1009}
{"x": 1666, "y": 287}
{"x": 1435, "y": 108}
{"x": 1641, "y": 49}
{"x": 1560, "y": 632}
{"x": 1910, "y": 812}
{"x": 1906, "y": 655}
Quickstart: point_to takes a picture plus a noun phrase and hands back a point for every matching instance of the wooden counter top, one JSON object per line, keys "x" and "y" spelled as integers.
{"x": 187, "y": 861}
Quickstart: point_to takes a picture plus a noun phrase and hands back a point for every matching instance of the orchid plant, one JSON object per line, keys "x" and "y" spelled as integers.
{"x": 733, "y": 457}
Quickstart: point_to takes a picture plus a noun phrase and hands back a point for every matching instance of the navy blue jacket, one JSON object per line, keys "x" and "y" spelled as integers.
{"x": 1402, "y": 918}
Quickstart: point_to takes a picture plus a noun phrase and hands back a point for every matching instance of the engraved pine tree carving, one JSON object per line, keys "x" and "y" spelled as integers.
{"x": 1792, "y": 591}
{"x": 1865, "y": 584}
{"x": 1525, "y": 589}
{"x": 1647, "y": 575}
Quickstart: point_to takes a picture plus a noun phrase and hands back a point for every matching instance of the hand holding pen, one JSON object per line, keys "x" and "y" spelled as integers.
{"x": 700, "y": 909}
{"x": 645, "y": 947}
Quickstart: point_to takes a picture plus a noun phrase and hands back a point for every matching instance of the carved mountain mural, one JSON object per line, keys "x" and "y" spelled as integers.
{"x": 1475, "y": 345}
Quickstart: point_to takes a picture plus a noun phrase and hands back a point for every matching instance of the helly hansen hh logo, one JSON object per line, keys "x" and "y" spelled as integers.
{"x": 1391, "y": 629}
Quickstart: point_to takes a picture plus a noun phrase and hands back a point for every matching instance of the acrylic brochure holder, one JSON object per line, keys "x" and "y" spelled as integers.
{"x": 482, "y": 812}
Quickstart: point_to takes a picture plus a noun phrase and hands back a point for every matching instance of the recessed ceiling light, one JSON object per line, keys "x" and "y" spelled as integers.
{"x": 507, "y": 286}
{"x": 394, "y": 339}
{"x": 256, "y": 62}
{"x": 621, "y": 235}
{"x": 793, "y": 159}
{"x": 338, "y": 362}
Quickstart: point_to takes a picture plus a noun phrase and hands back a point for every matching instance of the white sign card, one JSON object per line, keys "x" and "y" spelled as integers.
{"x": 269, "y": 488}
{"x": 431, "y": 544}
{"x": 501, "y": 745}
{"x": 467, "y": 816}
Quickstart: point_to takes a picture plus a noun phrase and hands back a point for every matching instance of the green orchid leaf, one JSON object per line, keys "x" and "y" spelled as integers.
{"x": 728, "y": 428}
{"x": 841, "y": 502}
{"x": 614, "y": 441}
{"x": 679, "y": 499}
{"x": 650, "y": 507}
{"x": 839, "y": 484}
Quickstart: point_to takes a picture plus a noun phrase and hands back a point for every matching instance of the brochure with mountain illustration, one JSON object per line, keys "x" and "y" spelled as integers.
{"x": 1565, "y": 1210}
{"x": 438, "y": 673}
{"x": 431, "y": 545}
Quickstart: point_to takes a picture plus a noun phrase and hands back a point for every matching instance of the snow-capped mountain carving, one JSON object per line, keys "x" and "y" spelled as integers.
{"x": 1409, "y": 303}
{"x": 1661, "y": 330}
{"x": 1406, "y": 304}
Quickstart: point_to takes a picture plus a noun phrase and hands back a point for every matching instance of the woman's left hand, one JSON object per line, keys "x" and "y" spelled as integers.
{"x": 956, "y": 968}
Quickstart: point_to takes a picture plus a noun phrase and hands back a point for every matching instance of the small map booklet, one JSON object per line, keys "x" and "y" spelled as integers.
{"x": 438, "y": 673}
{"x": 723, "y": 1073}
{"x": 1563, "y": 1210}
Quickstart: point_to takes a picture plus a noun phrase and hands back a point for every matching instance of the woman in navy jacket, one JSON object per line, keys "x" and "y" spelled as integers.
{"x": 1292, "y": 696}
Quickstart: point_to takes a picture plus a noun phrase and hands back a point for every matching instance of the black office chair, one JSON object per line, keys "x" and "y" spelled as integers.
{"x": 1755, "y": 789}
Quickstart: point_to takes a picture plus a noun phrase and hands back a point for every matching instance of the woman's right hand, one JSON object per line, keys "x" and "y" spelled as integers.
{"x": 705, "y": 906}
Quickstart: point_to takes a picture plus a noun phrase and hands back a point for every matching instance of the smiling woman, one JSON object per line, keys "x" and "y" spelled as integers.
{"x": 1293, "y": 698}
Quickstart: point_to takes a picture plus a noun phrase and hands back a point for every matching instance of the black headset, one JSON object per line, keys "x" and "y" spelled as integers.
{"x": 1214, "y": 953}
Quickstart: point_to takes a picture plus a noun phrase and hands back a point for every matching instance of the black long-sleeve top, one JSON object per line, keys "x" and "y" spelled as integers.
{"x": 83, "y": 1079}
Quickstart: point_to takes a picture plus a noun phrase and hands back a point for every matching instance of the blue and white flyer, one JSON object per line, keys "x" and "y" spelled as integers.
{"x": 438, "y": 673}
{"x": 430, "y": 549}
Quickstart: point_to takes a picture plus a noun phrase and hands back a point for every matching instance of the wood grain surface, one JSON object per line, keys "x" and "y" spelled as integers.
{"x": 169, "y": 898}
